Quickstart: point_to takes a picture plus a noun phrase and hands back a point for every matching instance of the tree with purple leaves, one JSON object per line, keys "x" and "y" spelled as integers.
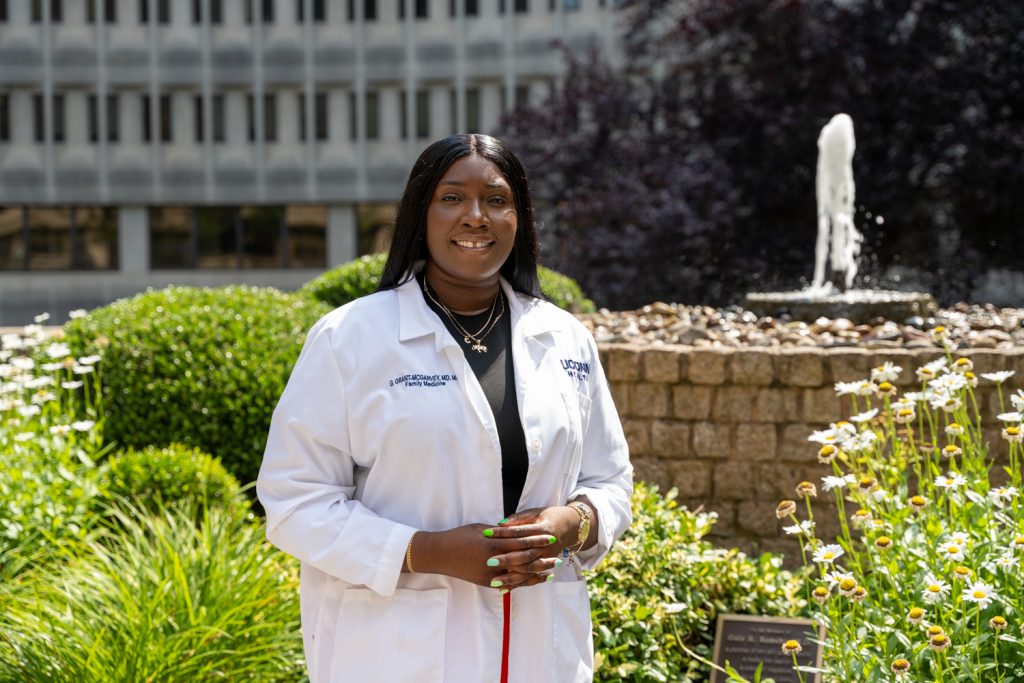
{"x": 687, "y": 172}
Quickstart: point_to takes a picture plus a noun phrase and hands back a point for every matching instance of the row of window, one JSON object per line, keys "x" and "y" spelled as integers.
{"x": 106, "y": 10}
{"x": 418, "y": 127}
{"x": 182, "y": 237}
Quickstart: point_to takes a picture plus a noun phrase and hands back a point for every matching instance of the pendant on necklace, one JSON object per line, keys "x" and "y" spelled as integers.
{"x": 479, "y": 348}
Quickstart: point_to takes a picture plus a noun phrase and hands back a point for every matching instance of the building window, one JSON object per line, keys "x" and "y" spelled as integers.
{"x": 3, "y": 10}
{"x": 374, "y": 227}
{"x": 216, "y": 12}
{"x": 567, "y": 5}
{"x": 58, "y": 238}
{"x": 522, "y": 6}
{"x": 200, "y": 128}
{"x": 420, "y": 7}
{"x": 472, "y": 110}
{"x": 166, "y": 121}
{"x": 238, "y": 237}
{"x": 219, "y": 131}
{"x": 319, "y": 11}
{"x": 58, "y": 118}
{"x": 372, "y": 115}
{"x": 56, "y": 11}
{"x": 109, "y": 10}
{"x": 269, "y": 117}
{"x": 5, "y": 117}
{"x": 319, "y": 119}
{"x": 38, "y": 118}
{"x": 369, "y": 10}
{"x": 94, "y": 119}
{"x": 163, "y": 11}
{"x": 472, "y": 8}
{"x": 422, "y": 114}
{"x": 266, "y": 11}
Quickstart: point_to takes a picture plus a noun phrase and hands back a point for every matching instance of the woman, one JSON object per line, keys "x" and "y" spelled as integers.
{"x": 417, "y": 418}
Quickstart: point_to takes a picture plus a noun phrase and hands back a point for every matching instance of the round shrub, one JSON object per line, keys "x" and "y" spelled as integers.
{"x": 198, "y": 366}
{"x": 662, "y": 587}
{"x": 360, "y": 277}
{"x": 156, "y": 477}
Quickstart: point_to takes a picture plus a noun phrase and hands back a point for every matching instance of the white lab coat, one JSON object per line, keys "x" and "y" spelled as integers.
{"x": 382, "y": 430}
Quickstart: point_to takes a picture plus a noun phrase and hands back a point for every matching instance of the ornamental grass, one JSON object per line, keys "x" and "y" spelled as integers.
{"x": 923, "y": 582}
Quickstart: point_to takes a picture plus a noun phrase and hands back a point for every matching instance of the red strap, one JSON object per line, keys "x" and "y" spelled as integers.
{"x": 507, "y": 609}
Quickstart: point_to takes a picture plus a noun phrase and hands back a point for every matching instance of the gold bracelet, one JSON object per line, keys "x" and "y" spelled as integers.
{"x": 408, "y": 555}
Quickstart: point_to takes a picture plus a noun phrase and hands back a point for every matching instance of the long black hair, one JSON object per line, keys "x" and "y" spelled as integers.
{"x": 409, "y": 244}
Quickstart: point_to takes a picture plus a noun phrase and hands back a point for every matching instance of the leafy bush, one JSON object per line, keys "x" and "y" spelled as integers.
{"x": 202, "y": 367}
{"x": 663, "y": 585}
{"x": 360, "y": 277}
{"x": 177, "y": 475}
{"x": 157, "y": 599}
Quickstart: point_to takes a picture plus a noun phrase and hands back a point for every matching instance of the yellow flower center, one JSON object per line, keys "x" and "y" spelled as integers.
{"x": 962, "y": 361}
{"x": 883, "y": 542}
{"x": 978, "y": 595}
{"x": 885, "y": 386}
{"x": 962, "y": 571}
{"x": 953, "y": 426}
{"x": 934, "y": 630}
{"x": 918, "y": 501}
{"x": 847, "y": 584}
{"x": 821, "y": 592}
{"x": 791, "y": 646}
{"x": 952, "y": 549}
{"x": 827, "y": 449}
{"x": 939, "y": 640}
{"x": 906, "y": 412}
{"x": 1013, "y": 431}
{"x": 934, "y": 588}
{"x": 915, "y": 613}
{"x": 998, "y": 621}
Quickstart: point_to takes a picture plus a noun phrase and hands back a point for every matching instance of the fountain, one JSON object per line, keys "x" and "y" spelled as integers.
{"x": 837, "y": 247}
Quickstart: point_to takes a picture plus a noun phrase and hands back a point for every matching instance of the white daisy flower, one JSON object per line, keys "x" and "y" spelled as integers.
{"x": 804, "y": 527}
{"x": 51, "y": 367}
{"x": 82, "y": 369}
{"x": 71, "y": 384}
{"x": 904, "y": 416}
{"x": 835, "y": 577}
{"x": 866, "y": 388}
{"x": 12, "y": 342}
{"x": 945, "y": 401}
{"x": 865, "y": 416}
{"x": 40, "y": 382}
{"x": 41, "y": 318}
{"x": 832, "y": 482}
{"x": 914, "y": 397}
{"x": 862, "y": 441}
{"x": 1018, "y": 400}
{"x": 952, "y": 481}
{"x": 1005, "y": 562}
{"x": 23, "y": 363}
{"x": 846, "y": 388}
{"x": 954, "y": 429}
{"x": 1013, "y": 434}
{"x": 951, "y": 382}
{"x": 887, "y": 372}
{"x": 935, "y": 590}
{"x": 60, "y": 429}
{"x": 29, "y": 411}
{"x": 1010, "y": 417}
{"x": 998, "y": 377}
{"x": 952, "y": 551}
{"x": 960, "y": 538}
{"x": 41, "y": 397}
{"x": 963, "y": 365}
{"x": 981, "y": 593}
{"x": 57, "y": 350}
{"x": 23, "y": 436}
{"x": 828, "y": 553}
{"x": 83, "y": 425}
{"x": 77, "y": 313}
{"x": 1002, "y": 494}
{"x": 89, "y": 360}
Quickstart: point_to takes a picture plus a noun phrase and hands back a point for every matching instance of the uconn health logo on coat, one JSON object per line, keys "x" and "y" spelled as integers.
{"x": 576, "y": 369}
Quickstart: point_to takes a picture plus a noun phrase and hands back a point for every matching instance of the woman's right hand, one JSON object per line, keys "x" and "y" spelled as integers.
{"x": 463, "y": 553}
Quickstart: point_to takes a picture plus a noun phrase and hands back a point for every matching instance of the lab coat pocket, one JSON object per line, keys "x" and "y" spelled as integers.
{"x": 574, "y": 645}
{"x": 395, "y": 639}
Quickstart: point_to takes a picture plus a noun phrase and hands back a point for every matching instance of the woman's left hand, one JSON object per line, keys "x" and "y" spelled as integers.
{"x": 533, "y": 566}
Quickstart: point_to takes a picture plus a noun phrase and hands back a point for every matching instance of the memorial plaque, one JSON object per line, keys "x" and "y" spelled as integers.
{"x": 746, "y": 641}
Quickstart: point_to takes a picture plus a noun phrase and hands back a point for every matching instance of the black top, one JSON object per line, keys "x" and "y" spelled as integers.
{"x": 496, "y": 375}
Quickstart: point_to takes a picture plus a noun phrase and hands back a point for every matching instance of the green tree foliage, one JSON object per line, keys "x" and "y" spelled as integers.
{"x": 688, "y": 173}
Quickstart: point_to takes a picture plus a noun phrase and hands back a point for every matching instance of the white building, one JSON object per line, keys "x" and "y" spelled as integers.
{"x": 149, "y": 142}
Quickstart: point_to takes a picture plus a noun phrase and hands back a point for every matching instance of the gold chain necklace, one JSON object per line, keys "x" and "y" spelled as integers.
{"x": 475, "y": 341}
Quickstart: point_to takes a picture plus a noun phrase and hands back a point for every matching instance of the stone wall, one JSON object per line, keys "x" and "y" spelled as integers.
{"x": 728, "y": 427}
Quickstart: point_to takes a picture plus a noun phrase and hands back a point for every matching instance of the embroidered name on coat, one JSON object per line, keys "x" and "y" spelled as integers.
{"x": 417, "y": 380}
{"x": 576, "y": 369}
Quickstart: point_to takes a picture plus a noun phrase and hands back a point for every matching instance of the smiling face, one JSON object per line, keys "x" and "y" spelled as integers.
{"x": 471, "y": 229}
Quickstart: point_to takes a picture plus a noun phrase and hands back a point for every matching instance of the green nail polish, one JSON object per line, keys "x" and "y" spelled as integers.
{"x": 503, "y": 520}
{"x": 558, "y": 563}
{"x": 488, "y": 532}
{"x": 551, "y": 539}
{"x": 493, "y": 562}
{"x": 503, "y": 591}
{"x": 551, "y": 577}
{"x": 496, "y": 584}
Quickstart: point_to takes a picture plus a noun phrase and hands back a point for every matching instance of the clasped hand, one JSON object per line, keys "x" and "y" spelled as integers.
{"x": 521, "y": 551}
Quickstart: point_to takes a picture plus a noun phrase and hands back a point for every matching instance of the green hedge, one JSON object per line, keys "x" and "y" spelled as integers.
{"x": 663, "y": 585}
{"x": 154, "y": 478}
{"x": 201, "y": 367}
{"x": 360, "y": 277}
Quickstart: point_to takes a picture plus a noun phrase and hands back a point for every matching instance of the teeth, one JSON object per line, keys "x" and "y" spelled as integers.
{"x": 471, "y": 245}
